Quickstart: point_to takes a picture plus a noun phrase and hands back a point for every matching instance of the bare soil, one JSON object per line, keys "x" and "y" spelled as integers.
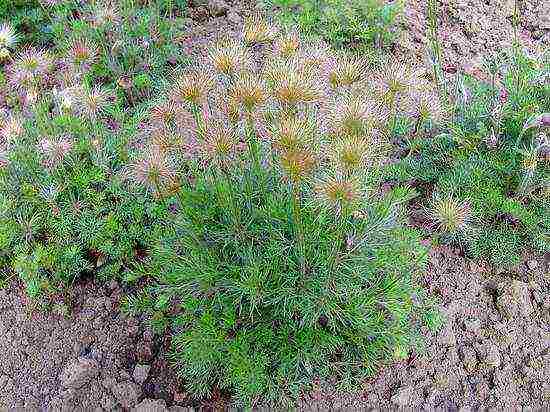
{"x": 81, "y": 354}
{"x": 470, "y": 30}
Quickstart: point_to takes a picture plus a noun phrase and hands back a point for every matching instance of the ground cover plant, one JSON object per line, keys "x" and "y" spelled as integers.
{"x": 248, "y": 195}
{"x": 258, "y": 196}
{"x": 490, "y": 170}
{"x": 360, "y": 24}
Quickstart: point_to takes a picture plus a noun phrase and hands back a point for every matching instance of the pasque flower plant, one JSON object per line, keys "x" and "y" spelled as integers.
{"x": 273, "y": 251}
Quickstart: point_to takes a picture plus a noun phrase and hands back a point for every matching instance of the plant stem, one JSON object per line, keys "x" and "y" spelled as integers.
{"x": 435, "y": 45}
{"x": 298, "y": 226}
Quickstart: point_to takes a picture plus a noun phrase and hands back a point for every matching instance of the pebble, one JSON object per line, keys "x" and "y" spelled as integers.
{"x": 141, "y": 373}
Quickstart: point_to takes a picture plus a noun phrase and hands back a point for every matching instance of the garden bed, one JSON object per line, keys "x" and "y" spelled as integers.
{"x": 112, "y": 338}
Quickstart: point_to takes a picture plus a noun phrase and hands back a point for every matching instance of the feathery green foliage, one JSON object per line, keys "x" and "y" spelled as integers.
{"x": 68, "y": 114}
{"x": 495, "y": 158}
{"x": 284, "y": 261}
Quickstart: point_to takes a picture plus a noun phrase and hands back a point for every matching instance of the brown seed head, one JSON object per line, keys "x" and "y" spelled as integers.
{"x": 229, "y": 59}
{"x": 287, "y": 46}
{"x": 249, "y": 92}
{"x": 257, "y": 30}
{"x": 451, "y": 215}
{"x": 154, "y": 171}
{"x": 298, "y": 164}
{"x": 339, "y": 193}
{"x": 193, "y": 87}
{"x": 352, "y": 117}
{"x": 345, "y": 72}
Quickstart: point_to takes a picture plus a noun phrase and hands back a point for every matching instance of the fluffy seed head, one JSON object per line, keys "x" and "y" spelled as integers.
{"x": 451, "y": 215}
{"x": 314, "y": 58}
{"x": 30, "y": 68}
{"x": 220, "y": 142}
{"x": 11, "y": 128}
{"x": 339, "y": 193}
{"x": 289, "y": 133}
{"x": 345, "y": 72}
{"x": 167, "y": 116}
{"x": 54, "y": 150}
{"x": 249, "y": 92}
{"x": 298, "y": 164}
{"x": 257, "y": 30}
{"x": 8, "y": 36}
{"x": 290, "y": 85}
{"x": 93, "y": 101}
{"x": 351, "y": 117}
{"x": 66, "y": 99}
{"x": 154, "y": 171}
{"x": 105, "y": 14}
{"x": 193, "y": 87}
{"x": 229, "y": 59}
{"x": 352, "y": 154}
{"x": 426, "y": 105}
{"x": 287, "y": 46}
{"x": 397, "y": 81}
{"x": 82, "y": 52}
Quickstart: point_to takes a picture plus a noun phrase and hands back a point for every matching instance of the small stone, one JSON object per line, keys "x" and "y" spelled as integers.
{"x": 492, "y": 356}
{"x": 79, "y": 373}
{"x": 141, "y": 373}
{"x": 127, "y": 394}
{"x": 151, "y": 405}
{"x": 469, "y": 359}
{"x": 472, "y": 325}
{"x": 403, "y": 396}
{"x": 514, "y": 300}
{"x": 447, "y": 336}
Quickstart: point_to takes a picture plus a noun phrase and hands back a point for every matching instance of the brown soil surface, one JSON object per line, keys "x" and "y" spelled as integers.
{"x": 96, "y": 358}
{"x": 472, "y": 29}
